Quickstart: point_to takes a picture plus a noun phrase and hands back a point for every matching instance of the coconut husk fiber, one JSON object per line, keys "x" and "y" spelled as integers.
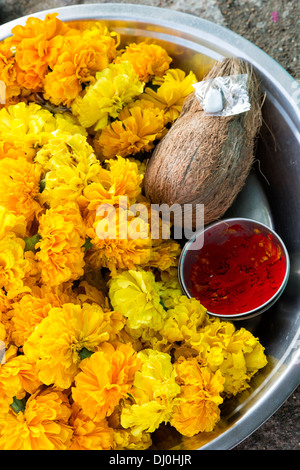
{"x": 205, "y": 159}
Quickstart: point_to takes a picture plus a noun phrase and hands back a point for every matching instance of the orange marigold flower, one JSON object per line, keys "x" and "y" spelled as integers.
{"x": 42, "y": 426}
{"x": 61, "y": 85}
{"x": 197, "y": 408}
{"x": 11, "y": 150}
{"x": 37, "y": 47}
{"x": 13, "y": 264}
{"x": 148, "y": 59}
{"x": 137, "y": 128}
{"x": 28, "y": 311}
{"x": 17, "y": 376}
{"x": 79, "y": 60}
{"x": 89, "y": 434}
{"x": 19, "y": 187}
{"x": 57, "y": 341}
{"x": 105, "y": 377}
{"x": 7, "y": 63}
{"x": 61, "y": 249}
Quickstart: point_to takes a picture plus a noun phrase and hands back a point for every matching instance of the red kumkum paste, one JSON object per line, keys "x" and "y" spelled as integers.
{"x": 239, "y": 275}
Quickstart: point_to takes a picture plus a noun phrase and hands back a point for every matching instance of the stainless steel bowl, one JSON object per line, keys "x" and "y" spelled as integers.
{"x": 217, "y": 233}
{"x": 272, "y": 198}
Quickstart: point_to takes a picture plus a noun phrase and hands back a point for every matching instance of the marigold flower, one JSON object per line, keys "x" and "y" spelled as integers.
{"x": 56, "y": 342}
{"x": 222, "y": 347}
{"x": 165, "y": 254}
{"x": 42, "y": 426}
{"x": 184, "y": 320}
{"x": 12, "y": 223}
{"x": 8, "y": 71}
{"x": 174, "y": 87}
{"x": 197, "y": 408}
{"x": 148, "y": 59}
{"x": 28, "y": 311}
{"x": 69, "y": 165}
{"x": 121, "y": 178}
{"x": 13, "y": 264}
{"x": 37, "y": 47}
{"x": 105, "y": 377}
{"x": 19, "y": 187}
{"x": 137, "y": 128}
{"x": 26, "y": 126}
{"x": 135, "y": 295}
{"x": 18, "y": 375}
{"x": 81, "y": 56}
{"x": 153, "y": 392}
{"x": 89, "y": 434}
{"x": 115, "y": 86}
{"x": 60, "y": 251}
{"x": 120, "y": 241}
{"x": 124, "y": 439}
{"x": 12, "y": 150}
{"x": 169, "y": 288}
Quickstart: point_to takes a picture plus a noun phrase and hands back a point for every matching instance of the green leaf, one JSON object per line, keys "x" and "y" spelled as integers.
{"x": 84, "y": 353}
{"x": 30, "y": 242}
{"x": 18, "y": 405}
{"x": 88, "y": 245}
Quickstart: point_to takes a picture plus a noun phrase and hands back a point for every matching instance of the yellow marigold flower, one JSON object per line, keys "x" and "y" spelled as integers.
{"x": 197, "y": 408}
{"x": 184, "y": 320}
{"x": 19, "y": 187}
{"x": 154, "y": 391}
{"x": 165, "y": 254}
{"x": 174, "y": 87}
{"x": 57, "y": 341}
{"x": 28, "y": 311}
{"x": 42, "y": 426}
{"x": 13, "y": 263}
{"x": 86, "y": 292}
{"x": 115, "y": 86}
{"x": 69, "y": 164}
{"x": 124, "y": 439}
{"x": 237, "y": 354}
{"x": 60, "y": 251}
{"x": 12, "y": 150}
{"x": 148, "y": 59}
{"x": 121, "y": 178}
{"x": 135, "y": 295}
{"x": 89, "y": 434}
{"x": 37, "y": 47}
{"x": 18, "y": 375}
{"x": 120, "y": 241}
{"x": 105, "y": 377}
{"x": 12, "y": 223}
{"x": 5, "y": 306}
{"x": 8, "y": 72}
{"x": 24, "y": 127}
{"x": 137, "y": 128}
{"x": 169, "y": 288}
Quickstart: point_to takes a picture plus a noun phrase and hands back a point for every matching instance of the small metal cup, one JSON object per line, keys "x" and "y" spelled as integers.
{"x": 216, "y": 232}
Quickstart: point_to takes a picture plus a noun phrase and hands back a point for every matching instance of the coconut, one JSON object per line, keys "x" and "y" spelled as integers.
{"x": 205, "y": 159}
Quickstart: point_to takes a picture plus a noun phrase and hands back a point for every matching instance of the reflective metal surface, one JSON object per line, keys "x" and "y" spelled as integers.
{"x": 271, "y": 196}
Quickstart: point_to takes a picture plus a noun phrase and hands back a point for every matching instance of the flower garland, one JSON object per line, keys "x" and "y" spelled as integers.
{"x": 100, "y": 347}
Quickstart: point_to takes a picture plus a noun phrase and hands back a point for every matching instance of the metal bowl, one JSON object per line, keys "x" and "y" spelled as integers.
{"x": 218, "y": 233}
{"x": 271, "y": 195}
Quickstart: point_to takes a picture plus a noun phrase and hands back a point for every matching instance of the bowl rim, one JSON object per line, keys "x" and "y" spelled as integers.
{"x": 261, "y": 308}
{"x": 286, "y": 374}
